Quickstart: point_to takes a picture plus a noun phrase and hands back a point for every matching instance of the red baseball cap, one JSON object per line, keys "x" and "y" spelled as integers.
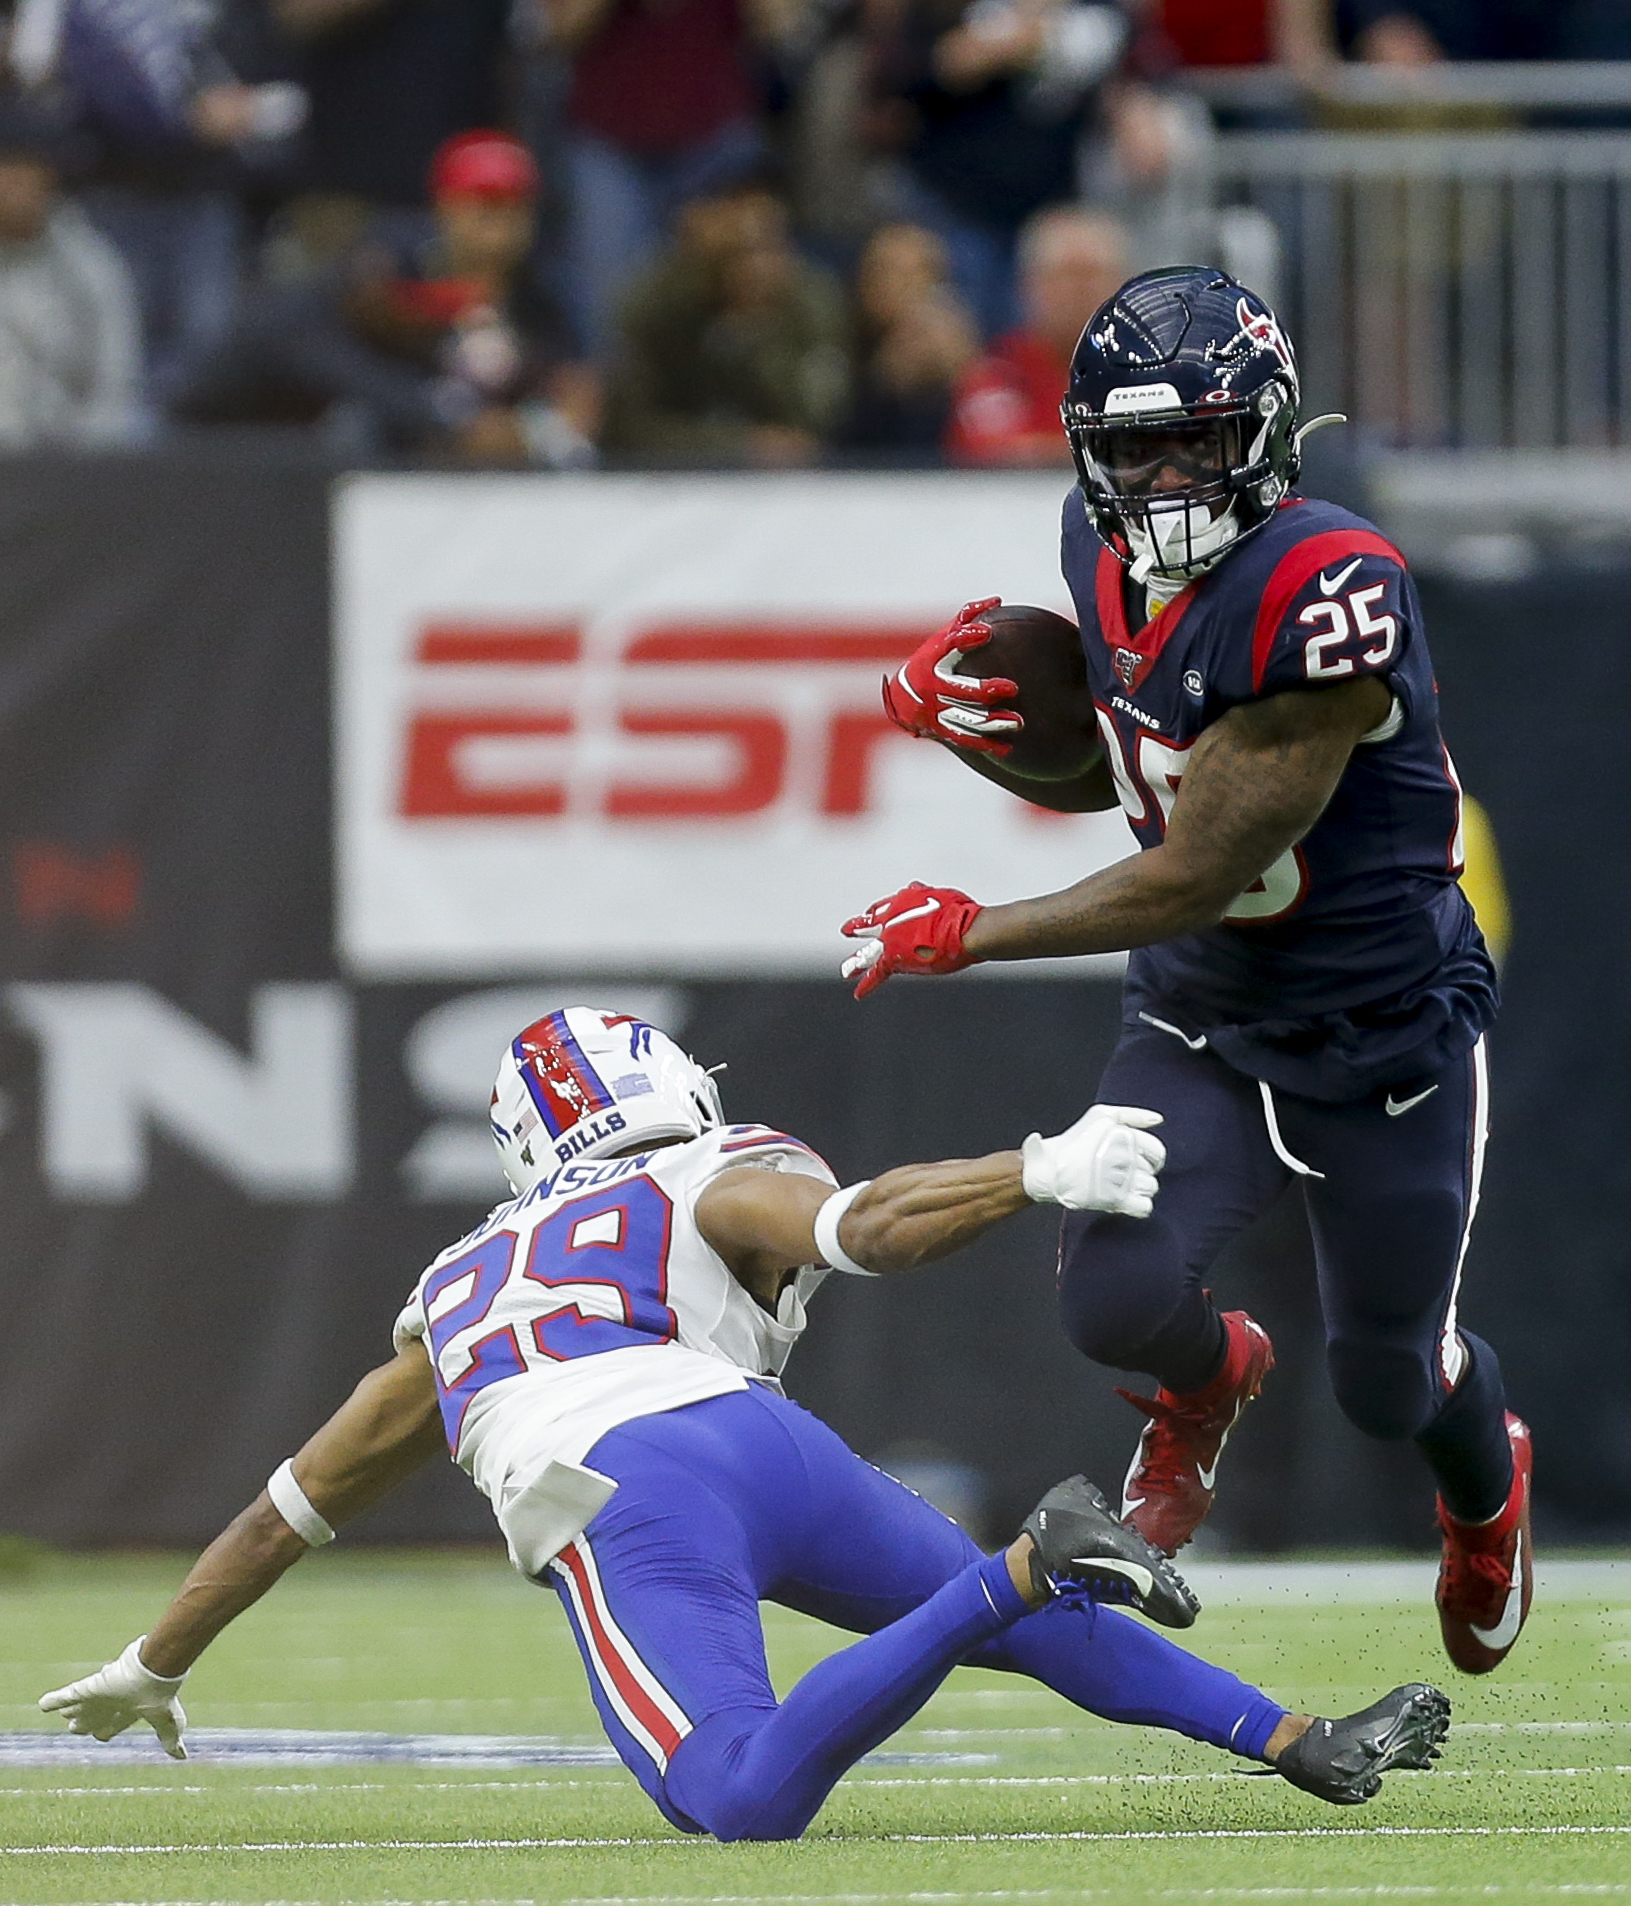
{"x": 483, "y": 165}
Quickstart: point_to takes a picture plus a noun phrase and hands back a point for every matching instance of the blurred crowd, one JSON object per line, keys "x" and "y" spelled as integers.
{"x": 551, "y": 233}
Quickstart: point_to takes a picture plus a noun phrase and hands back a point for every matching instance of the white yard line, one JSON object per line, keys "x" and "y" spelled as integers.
{"x": 892, "y": 1780}
{"x": 590, "y": 1843}
{"x": 1487, "y": 1890}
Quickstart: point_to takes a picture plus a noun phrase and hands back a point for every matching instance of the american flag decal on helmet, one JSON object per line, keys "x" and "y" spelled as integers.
{"x": 564, "y": 1086}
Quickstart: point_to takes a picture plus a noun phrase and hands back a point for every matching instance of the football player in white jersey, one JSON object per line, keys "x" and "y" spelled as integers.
{"x": 602, "y": 1355}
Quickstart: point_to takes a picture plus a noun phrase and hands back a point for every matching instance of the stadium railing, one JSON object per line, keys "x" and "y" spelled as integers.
{"x": 1452, "y": 289}
{"x": 1523, "y": 85}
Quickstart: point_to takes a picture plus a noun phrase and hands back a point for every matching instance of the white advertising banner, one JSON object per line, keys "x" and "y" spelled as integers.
{"x": 634, "y": 720}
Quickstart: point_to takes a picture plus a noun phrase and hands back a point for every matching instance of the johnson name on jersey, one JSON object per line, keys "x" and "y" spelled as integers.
{"x": 594, "y": 1299}
{"x": 1366, "y": 907}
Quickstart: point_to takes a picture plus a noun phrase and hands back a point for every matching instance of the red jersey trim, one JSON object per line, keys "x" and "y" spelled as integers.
{"x": 1150, "y": 640}
{"x": 1291, "y": 574}
{"x": 765, "y": 1137}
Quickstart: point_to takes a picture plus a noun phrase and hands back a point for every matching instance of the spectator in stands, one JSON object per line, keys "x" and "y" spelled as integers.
{"x": 1409, "y": 33}
{"x": 1297, "y": 34}
{"x": 664, "y": 105}
{"x": 734, "y": 348}
{"x": 159, "y": 91}
{"x": 1006, "y": 409}
{"x": 433, "y": 334}
{"x": 990, "y": 101}
{"x": 69, "y": 338}
{"x": 913, "y": 339}
{"x": 389, "y": 82}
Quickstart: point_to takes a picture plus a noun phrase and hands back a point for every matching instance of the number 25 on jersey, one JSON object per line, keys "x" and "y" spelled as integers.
{"x": 1341, "y": 621}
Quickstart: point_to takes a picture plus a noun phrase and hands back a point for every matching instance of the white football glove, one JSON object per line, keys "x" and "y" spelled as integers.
{"x": 119, "y": 1695}
{"x": 1106, "y": 1161}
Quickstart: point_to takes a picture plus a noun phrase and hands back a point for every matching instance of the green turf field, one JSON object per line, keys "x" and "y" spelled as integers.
{"x": 1025, "y": 1800}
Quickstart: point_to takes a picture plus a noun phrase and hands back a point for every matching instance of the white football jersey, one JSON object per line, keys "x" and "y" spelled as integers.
{"x": 592, "y": 1300}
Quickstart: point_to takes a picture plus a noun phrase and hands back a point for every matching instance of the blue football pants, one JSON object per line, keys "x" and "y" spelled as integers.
{"x": 1390, "y": 1210}
{"x": 747, "y": 1497}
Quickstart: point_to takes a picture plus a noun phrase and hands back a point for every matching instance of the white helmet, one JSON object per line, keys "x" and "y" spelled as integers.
{"x": 582, "y": 1083}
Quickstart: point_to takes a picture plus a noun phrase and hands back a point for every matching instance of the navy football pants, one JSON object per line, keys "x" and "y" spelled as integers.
{"x": 1390, "y": 1212}
{"x": 747, "y": 1497}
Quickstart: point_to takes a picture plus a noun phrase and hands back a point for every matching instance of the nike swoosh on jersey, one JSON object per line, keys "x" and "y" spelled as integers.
{"x": 1329, "y": 585}
{"x": 1395, "y": 1107}
{"x": 1505, "y": 1631}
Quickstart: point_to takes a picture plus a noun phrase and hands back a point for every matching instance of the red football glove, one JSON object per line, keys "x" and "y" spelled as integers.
{"x": 926, "y": 696}
{"x": 918, "y": 930}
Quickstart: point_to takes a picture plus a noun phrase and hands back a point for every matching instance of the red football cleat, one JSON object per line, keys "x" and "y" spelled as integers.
{"x": 1486, "y": 1580}
{"x": 1169, "y": 1488}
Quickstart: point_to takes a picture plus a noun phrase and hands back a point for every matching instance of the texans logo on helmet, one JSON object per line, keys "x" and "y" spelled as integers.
{"x": 1264, "y": 328}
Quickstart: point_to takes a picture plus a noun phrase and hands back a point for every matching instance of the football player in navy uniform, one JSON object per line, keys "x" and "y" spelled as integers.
{"x": 1307, "y": 993}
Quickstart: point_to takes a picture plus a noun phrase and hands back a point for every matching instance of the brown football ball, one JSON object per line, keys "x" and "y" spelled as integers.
{"x": 1041, "y": 653}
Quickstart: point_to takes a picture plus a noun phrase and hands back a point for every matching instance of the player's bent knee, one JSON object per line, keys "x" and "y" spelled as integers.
{"x": 732, "y": 1812}
{"x": 716, "y": 1780}
{"x": 1386, "y": 1393}
{"x": 1109, "y": 1309}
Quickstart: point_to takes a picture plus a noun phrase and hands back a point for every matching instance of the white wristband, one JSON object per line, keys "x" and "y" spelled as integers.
{"x": 826, "y": 1230}
{"x": 291, "y": 1502}
{"x": 138, "y": 1670}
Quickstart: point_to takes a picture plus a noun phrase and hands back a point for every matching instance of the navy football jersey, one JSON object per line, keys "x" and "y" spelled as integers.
{"x": 1354, "y": 959}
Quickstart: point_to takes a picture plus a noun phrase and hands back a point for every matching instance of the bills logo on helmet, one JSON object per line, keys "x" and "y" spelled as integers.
{"x": 1264, "y": 328}
{"x": 561, "y": 1082}
{"x": 639, "y": 1032}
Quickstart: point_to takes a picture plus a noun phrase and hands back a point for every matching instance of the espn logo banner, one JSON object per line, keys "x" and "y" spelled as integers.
{"x": 634, "y": 721}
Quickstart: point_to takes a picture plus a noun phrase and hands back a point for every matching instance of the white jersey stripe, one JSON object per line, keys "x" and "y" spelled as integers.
{"x": 607, "y": 1683}
{"x": 665, "y": 1703}
{"x": 645, "y": 1707}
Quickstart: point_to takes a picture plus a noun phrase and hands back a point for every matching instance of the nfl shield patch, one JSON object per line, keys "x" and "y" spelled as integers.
{"x": 1132, "y": 667}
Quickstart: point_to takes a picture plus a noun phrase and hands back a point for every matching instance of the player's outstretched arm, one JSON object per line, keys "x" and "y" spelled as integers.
{"x": 1257, "y": 781}
{"x": 765, "y": 1223}
{"x": 385, "y": 1430}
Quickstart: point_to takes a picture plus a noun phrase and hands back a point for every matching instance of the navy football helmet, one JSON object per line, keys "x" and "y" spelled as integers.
{"x": 1182, "y": 419}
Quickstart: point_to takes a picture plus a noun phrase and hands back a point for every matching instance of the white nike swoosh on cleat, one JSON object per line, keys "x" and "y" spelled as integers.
{"x": 1329, "y": 585}
{"x": 1505, "y": 1631}
{"x": 1397, "y": 1106}
{"x": 1142, "y": 1579}
{"x": 1209, "y": 1477}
